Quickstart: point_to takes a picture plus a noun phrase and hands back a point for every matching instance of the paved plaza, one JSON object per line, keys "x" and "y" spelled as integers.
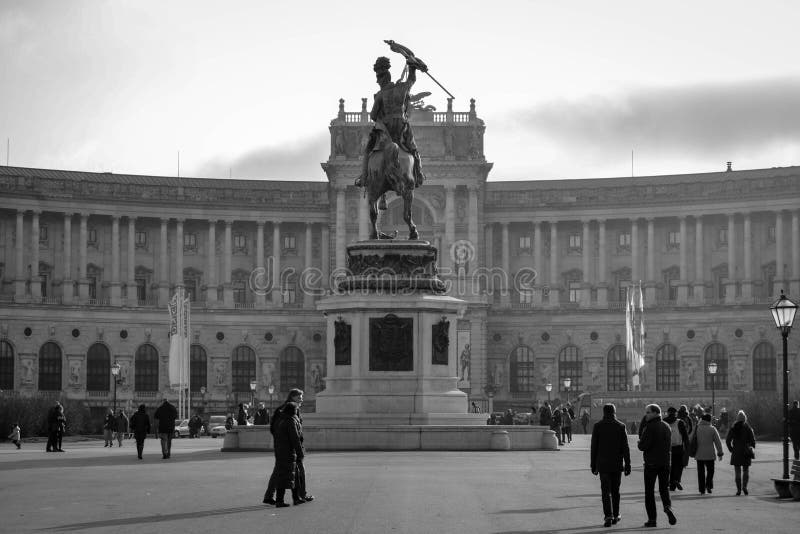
{"x": 90, "y": 488}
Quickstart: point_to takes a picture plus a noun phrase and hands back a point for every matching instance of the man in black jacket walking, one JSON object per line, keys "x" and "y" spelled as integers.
{"x": 655, "y": 444}
{"x": 610, "y": 456}
{"x": 165, "y": 421}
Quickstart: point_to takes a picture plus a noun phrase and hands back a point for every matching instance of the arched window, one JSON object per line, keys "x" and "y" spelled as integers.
{"x": 716, "y": 352}
{"x": 98, "y": 368}
{"x": 522, "y": 370}
{"x": 293, "y": 373}
{"x": 569, "y": 365}
{"x": 667, "y": 368}
{"x": 6, "y": 366}
{"x": 146, "y": 368}
{"x": 50, "y": 367}
{"x": 243, "y": 368}
{"x": 617, "y": 368}
{"x": 198, "y": 368}
{"x": 764, "y": 378}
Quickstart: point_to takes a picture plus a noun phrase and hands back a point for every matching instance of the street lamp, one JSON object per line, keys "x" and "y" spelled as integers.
{"x": 115, "y": 374}
{"x": 712, "y": 370}
{"x": 548, "y": 388}
{"x": 253, "y": 386}
{"x": 567, "y": 384}
{"x": 271, "y": 390}
{"x": 783, "y": 311}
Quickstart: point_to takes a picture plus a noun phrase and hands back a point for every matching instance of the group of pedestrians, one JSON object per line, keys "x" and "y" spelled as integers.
{"x": 666, "y": 443}
{"x": 56, "y": 426}
{"x": 115, "y": 426}
{"x": 559, "y": 419}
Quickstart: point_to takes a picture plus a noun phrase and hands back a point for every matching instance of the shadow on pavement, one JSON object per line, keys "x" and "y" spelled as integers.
{"x": 63, "y": 460}
{"x": 541, "y": 510}
{"x": 110, "y": 523}
{"x": 583, "y": 530}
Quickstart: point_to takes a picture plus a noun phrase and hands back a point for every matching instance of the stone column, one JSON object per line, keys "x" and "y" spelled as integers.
{"x": 650, "y": 284}
{"x": 163, "y": 264}
{"x": 261, "y": 297}
{"x": 489, "y": 243}
{"x": 635, "y": 274}
{"x": 730, "y": 290}
{"x": 505, "y": 295}
{"x": 472, "y": 228}
{"x": 538, "y": 264}
{"x": 83, "y": 281}
{"x": 780, "y": 273}
{"x": 277, "y": 300}
{"x": 227, "y": 287}
{"x": 363, "y": 218}
{"x": 179, "y": 253}
{"x": 341, "y": 231}
{"x": 794, "y": 284}
{"x": 68, "y": 285}
{"x": 36, "y": 281}
{"x": 683, "y": 283}
{"x": 699, "y": 274}
{"x": 555, "y": 283}
{"x": 21, "y": 276}
{"x": 747, "y": 283}
{"x": 132, "y": 299}
{"x": 325, "y": 256}
{"x": 212, "y": 283}
{"x": 116, "y": 291}
{"x": 449, "y": 228}
{"x": 586, "y": 286}
{"x": 308, "y": 298}
{"x": 602, "y": 265}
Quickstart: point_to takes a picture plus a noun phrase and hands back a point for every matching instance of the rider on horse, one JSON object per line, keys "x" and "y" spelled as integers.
{"x": 389, "y": 114}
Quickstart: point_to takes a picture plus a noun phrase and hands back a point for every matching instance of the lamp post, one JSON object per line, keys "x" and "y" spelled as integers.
{"x": 567, "y": 384}
{"x": 712, "y": 370}
{"x": 783, "y": 311}
{"x": 490, "y": 390}
{"x": 271, "y": 390}
{"x": 253, "y": 386}
{"x": 115, "y": 374}
{"x": 548, "y": 388}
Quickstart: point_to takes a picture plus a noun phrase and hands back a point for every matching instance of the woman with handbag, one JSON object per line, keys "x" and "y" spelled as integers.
{"x": 741, "y": 442}
{"x": 706, "y": 440}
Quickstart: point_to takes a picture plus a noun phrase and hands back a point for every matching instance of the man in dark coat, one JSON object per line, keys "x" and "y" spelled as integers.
{"x": 165, "y": 422}
{"x": 288, "y": 451}
{"x": 545, "y": 415}
{"x": 296, "y": 397}
{"x": 610, "y": 457}
{"x": 140, "y": 426}
{"x": 262, "y": 416}
{"x": 679, "y": 437}
{"x": 655, "y": 444}
{"x": 52, "y": 428}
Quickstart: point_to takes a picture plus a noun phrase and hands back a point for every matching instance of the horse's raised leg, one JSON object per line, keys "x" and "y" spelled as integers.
{"x": 408, "y": 198}
{"x": 373, "y": 216}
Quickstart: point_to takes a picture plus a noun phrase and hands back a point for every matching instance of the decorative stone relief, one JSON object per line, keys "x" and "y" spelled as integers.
{"x": 691, "y": 374}
{"x": 739, "y": 372}
{"x": 28, "y": 370}
{"x": 75, "y": 371}
{"x": 595, "y": 368}
{"x": 267, "y": 372}
{"x": 316, "y": 374}
{"x": 220, "y": 368}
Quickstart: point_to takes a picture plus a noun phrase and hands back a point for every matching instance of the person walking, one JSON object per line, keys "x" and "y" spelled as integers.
{"x": 683, "y": 415}
{"x": 610, "y": 457}
{"x": 241, "y": 416}
{"x": 288, "y": 450}
{"x": 585, "y": 420}
{"x": 741, "y": 442}
{"x": 61, "y": 426}
{"x": 656, "y": 444}
{"x": 707, "y": 439}
{"x": 140, "y": 426}
{"x": 566, "y": 424}
{"x": 15, "y": 436}
{"x": 52, "y": 427}
{"x": 296, "y": 397}
{"x": 109, "y": 425}
{"x": 165, "y": 423}
{"x": 546, "y": 415}
{"x": 122, "y": 426}
{"x": 794, "y": 428}
{"x": 555, "y": 425}
{"x": 679, "y": 439}
{"x": 262, "y": 416}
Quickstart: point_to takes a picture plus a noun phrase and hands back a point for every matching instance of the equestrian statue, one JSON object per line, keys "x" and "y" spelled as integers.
{"x": 391, "y": 161}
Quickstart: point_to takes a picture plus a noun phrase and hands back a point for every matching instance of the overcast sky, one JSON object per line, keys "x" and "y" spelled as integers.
{"x": 567, "y": 89}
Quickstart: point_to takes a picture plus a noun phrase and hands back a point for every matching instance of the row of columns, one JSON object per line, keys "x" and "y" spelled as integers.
{"x": 164, "y": 266}
{"x": 445, "y": 254}
{"x": 699, "y": 283}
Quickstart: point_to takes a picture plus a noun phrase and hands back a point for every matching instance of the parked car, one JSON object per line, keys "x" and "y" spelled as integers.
{"x": 218, "y": 431}
{"x": 216, "y": 425}
{"x": 181, "y": 428}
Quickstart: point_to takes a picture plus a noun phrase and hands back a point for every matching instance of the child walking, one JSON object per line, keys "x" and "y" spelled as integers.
{"x": 14, "y": 436}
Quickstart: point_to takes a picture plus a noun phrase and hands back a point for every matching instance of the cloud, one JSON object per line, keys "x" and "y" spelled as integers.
{"x": 689, "y": 120}
{"x": 299, "y": 161}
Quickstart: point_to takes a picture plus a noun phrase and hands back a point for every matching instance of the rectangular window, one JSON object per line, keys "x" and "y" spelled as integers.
{"x": 289, "y": 242}
{"x": 574, "y": 291}
{"x": 575, "y": 242}
{"x": 91, "y": 237}
{"x": 525, "y": 243}
{"x": 673, "y": 240}
{"x": 239, "y": 294}
{"x": 672, "y": 285}
{"x": 289, "y": 294}
{"x": 92, "y": 287}
{"x": 239, "y": 243}
{"x": 43, "y": 234}
{"x": 722, "y": 237}
{"x": 525, "y": 296}
{"x": 722, "y": 287}
{"x": 189, "y": 241}
{"x": 771, "y": 234}
{"x": 43, "y": 277}
{"x": 190, "y": 286}
{"x": 141, "y": 289}
{"x": 141, "y": 239}
{"x": 623, "y": 290}
{"x": 625, "y": 240}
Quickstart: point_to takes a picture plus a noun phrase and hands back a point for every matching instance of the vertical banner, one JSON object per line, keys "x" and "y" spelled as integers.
{"x": 634, "y": 333}
{"x": 179, "y": 332}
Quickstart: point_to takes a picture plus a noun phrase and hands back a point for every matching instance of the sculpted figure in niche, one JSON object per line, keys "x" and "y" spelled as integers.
{"x": 219, "y": 370}
{"x": 498, "y": 374}
{"x": 267, "y": 373}
{"x": 74, "y": 372}
{"x": 691, "y": 373}
{"x": 338, "y": 143}
{"x": 27, "y": 371}
{"x": 465, "y": 361}
{"x": 739, "y": 367}
{"x": 316, "y": 378}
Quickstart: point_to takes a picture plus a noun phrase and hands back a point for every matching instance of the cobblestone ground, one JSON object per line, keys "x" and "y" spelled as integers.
{"x": 90, "y": 488}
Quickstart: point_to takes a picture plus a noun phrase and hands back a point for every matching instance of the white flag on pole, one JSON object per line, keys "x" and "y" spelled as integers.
{"x": 178, "y": 340}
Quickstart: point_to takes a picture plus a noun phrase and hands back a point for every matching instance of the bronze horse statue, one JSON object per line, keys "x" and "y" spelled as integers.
{"x": 390, "y": 168}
